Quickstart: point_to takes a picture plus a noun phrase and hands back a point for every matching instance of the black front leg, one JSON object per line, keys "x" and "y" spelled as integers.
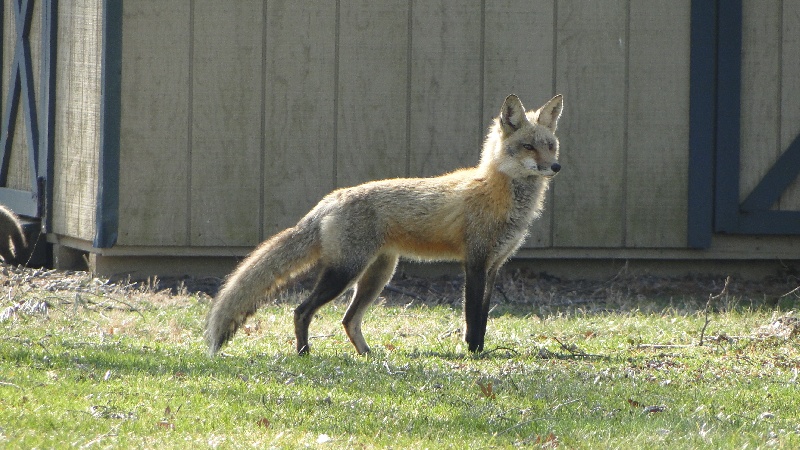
{"x": 477, "y": 293}
{"x": 491, "y": 276}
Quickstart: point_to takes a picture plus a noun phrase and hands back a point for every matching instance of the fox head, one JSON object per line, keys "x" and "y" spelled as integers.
{"x": 524, "y": 144}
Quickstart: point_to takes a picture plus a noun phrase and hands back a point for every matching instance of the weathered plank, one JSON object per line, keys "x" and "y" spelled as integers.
{"x": 225, "y": 180}
{"x": 790, "y": 93}
{"x": 299, "y": 136}
{"x": 590, "y": 72}
{"x": 761, "y": 86}
{"x": 372, "y": 91}
{"x": 518, "y": 59}
{"x": 154, "y": 135}
{"x": 77, "y": 114}
{"x": 658, "y": 125}
{"x": 445, "y": 131}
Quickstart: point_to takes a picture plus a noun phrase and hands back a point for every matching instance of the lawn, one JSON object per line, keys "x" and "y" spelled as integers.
{"x": 89, "y": 364}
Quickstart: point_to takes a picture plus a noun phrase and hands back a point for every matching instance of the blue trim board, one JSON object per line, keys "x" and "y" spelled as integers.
{"x": 714, "y": 136}
{"x": 729, "y": 82}
{"x": 753, "y": 215}
{"x": 47, "y": 110}
{"x": 20, "y": 89}
{"x": 702, "y": 119}
{"x": 20, "y": 67}
{"x": 107, "y": 212}
{"x": 775, "y": 182}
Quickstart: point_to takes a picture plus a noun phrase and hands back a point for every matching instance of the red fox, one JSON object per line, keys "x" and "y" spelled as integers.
{"x": 354, "y": 236}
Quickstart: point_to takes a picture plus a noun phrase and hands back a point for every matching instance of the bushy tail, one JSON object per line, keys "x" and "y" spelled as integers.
{"x": 13, "y": 237}
{"x": 265, "y": 271}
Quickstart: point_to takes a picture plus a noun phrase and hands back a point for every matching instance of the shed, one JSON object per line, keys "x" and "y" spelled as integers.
{"x": 170, "y": 137}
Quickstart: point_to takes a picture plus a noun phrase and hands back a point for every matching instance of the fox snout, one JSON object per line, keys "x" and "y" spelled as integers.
{"x": 555, "y": 167}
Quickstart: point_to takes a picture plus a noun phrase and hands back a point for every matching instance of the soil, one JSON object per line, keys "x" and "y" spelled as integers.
{"x": 514, "y": 286}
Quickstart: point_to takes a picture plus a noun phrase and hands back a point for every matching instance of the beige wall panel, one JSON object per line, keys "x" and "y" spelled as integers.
{"x": 761, "y": 79}
{"x": 372, "y": 91}
{"x": 77, "y": 118}
{"x": 518, "y": 59}
{"x": 658, "y": 125}
{"x": 299, "y": 135}
{"x": 590, "y": 72}
{"x": 790, "y": 93}
{"x": 446, "y": 129}
{"x": 226, "y": 154}
{"x": 19, "y": 176}
{"x": 154, "y": 145}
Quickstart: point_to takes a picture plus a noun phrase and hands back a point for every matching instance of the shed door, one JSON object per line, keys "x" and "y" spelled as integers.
{"x": 745, "y": 119}
{"x": 27, "y": 99}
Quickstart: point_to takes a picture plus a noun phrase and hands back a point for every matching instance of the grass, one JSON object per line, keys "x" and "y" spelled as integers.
{"x": 128, "y": 369}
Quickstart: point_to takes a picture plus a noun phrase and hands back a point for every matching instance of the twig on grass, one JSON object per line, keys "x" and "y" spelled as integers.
{"x": 663, "y": 346}
{"x": 793, "y": 291}
{"x": 508, "y": 349}
{"x": 707, "y": 309}
{"x": 519, "y": 425}
{"x": 575, "y": 351}
{"x": 391, "y": 288}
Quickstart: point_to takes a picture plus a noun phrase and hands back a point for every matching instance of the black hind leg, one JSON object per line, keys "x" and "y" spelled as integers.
{"x": 332, "y": 282}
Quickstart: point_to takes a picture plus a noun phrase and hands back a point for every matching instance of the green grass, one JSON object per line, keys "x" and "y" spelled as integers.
{"x": 95, "y": 374}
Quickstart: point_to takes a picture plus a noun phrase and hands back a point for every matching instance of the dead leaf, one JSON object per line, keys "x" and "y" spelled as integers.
{"x": 390, "y": 347}
{"x": 487, "y": 390}
{"x": 165, "y": 425}
{"x": 263, "y": 422}
{"x": 549, "y": 441}
{"x": 634, "y": 403}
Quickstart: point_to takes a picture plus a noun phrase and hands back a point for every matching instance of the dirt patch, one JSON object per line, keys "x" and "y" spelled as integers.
{"x": 514, "y": 286}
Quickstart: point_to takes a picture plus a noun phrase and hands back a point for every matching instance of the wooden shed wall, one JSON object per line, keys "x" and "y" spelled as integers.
{"x": 77, "y": 130}
{"x": 238, "y": 116}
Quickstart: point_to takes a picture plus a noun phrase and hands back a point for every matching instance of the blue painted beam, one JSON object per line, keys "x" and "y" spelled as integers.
{"x": 107, "y": 211}
{"x": 776, "y": 181}
{"x": 729, "y": 82}
{"x": 702, "y": 121}
{"x": 47, "y": 97}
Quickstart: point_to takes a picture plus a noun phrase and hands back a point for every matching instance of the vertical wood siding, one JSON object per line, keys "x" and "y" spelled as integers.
{"x": 77, "y": 135}
{"x": 155, "y": 129}
{"x": 770, "y": 92}
{"x": 239, "y": 116}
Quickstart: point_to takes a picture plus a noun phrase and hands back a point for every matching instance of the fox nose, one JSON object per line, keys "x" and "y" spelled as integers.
{"x": 555, "y": 167}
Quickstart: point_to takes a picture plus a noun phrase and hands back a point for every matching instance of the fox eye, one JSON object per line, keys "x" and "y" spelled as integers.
{"x": 527, "y": 146}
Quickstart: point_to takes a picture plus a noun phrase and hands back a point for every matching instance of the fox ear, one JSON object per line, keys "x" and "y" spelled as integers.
{"x": 550, "y": 112}
{"x": 512, "y": 114}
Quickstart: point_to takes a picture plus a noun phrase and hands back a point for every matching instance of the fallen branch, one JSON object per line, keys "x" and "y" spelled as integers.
{"x": 707, "y": 309}
{"x": 397, "y": 290}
